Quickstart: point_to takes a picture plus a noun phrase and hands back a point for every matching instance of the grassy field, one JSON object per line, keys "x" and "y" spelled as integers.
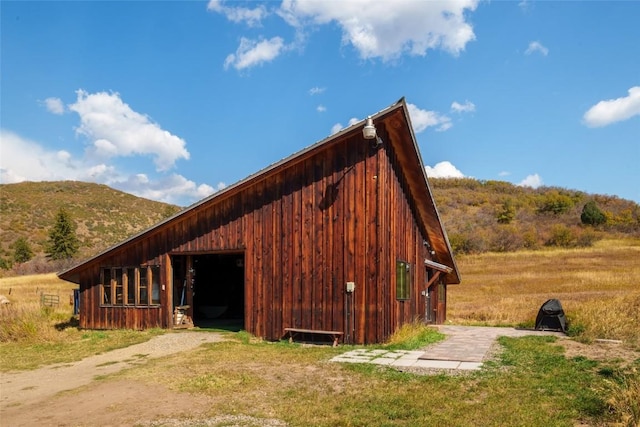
{"x": 32, "y": 335}
{"x": 599, "y": 288}
{"x": 532, "y": 382}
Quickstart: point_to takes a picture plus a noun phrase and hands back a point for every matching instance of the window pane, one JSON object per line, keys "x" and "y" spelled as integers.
{"x": 117, "y": 277}
{"x": 143, "y": 298}
{"x": 131, "y": 286}
{"x": 106, "y": 286}
{"x": 155, "y": 284}
{"x": 402, "y": 280}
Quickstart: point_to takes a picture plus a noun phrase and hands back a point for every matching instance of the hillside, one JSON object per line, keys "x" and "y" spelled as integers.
{"x": 479, "y": 216}
{"x": 103, "y": 216}
{"x": 497, "y": 216}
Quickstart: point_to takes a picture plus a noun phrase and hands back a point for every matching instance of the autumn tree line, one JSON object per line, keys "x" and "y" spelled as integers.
{"x": 496, "y": 216}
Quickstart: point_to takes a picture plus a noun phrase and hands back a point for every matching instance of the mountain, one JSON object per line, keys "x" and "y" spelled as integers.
{"x": 103, "y": 216}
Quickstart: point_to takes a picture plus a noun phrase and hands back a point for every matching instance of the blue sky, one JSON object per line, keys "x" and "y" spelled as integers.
{"x": 172, "y": 101}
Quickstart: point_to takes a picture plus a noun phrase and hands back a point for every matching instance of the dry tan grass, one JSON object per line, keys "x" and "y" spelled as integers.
{"x": 599, "y": 288}
{"x": 25, "y": 318}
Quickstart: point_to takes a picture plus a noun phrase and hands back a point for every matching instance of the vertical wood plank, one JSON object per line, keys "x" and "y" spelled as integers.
{"x": 297, "y": 253}
{"x": 338, "y": 204}
{"x": 318, "y": 239}
{"x": 286, "y": 230}
{"x": 307, "y": 279}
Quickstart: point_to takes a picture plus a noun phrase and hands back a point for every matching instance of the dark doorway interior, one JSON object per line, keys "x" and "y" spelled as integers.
{"x": 217, "y": 288}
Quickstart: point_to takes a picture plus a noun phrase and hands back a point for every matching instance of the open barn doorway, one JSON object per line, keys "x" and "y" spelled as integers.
{"x": 213, "y": 286}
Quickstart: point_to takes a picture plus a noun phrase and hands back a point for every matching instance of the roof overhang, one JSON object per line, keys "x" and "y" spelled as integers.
{"x": 437, "y": 266}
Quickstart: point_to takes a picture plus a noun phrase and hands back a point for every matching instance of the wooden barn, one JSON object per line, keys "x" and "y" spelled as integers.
{"x": 342, "y": 238}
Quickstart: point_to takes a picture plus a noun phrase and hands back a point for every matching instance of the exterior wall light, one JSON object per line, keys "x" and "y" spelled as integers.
{"x": 369, "y": 132}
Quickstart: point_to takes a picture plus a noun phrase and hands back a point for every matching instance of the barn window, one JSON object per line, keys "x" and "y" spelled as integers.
{"x": 155, "y": 284}
{"x": 118, "y": 283}
{"x": 403, "y": 280}
{"x": 131, "y": 286}
{"x": 143, "y": 288}
{"x": 106, "y": 286}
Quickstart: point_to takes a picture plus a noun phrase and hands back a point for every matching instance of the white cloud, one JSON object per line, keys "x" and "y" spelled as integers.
{"x": 252, "y": 17}
{"x": 533, "y": 181}
{"x": 321, "y": 108}
{"x": 467, "y": 107}
{"x": 54, "y": 105}
{"x": 525, "y": 5}
{"x": 614, "y": 110}
{"x": 252, "y": 52}
{"x": 422, "y": 119}
{"x": 338, "y": 126}
{"x": 24, "y": 160}
{"x": 375, "y": 29}
{"x": 114, "y": 129}
{"x": 504, "y": 173}
{"x": 388, "y": 30}
{"x": 443, "y": 170}
{"x": 536, "y": 47}
{"x": 316, "y": 90}
{"x": 169, "y": 189}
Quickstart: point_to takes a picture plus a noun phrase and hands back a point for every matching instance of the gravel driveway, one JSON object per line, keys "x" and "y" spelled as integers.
{"x": 29, "y": 386}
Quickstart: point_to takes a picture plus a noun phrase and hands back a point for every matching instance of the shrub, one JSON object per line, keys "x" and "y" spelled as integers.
{"x": 586, "y": 239}
{"x": 556, "y": 203}
{"x": 562, "y": 236}
{"x": 507, "y": 212}
{"x": 530, "y": 239}
{"x": 592, "y": 215}
{"x": 466, "y": 243}
{"x": 506, "y": 239}
{"x": 5, "y": 264}
{"x": 22, "y": 251}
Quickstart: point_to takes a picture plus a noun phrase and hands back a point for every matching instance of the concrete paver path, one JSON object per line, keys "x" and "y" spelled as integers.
{"x": 464, "y": 348}
{"x": 471, "y": 343}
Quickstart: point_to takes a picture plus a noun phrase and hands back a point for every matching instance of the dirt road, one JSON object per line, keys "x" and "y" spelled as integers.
{"x": 33, "y": 397}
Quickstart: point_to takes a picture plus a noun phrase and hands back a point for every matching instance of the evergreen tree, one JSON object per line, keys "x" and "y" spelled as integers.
{"x": 592, "y": 215}
{"x": 22, "y": 251}
{"x": 63, "y": 242}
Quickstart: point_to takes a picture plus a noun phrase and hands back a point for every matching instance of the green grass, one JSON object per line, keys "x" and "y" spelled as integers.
{"x": 530, "y": 384}
{"x": 413, "y": 336}
{"x": 71, "y": 345}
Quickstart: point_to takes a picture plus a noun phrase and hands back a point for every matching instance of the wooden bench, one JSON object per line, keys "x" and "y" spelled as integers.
{"x": 292, "y": 332}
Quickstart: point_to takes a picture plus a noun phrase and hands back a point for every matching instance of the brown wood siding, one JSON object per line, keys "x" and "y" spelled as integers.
{"x": 341, "y": 215}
